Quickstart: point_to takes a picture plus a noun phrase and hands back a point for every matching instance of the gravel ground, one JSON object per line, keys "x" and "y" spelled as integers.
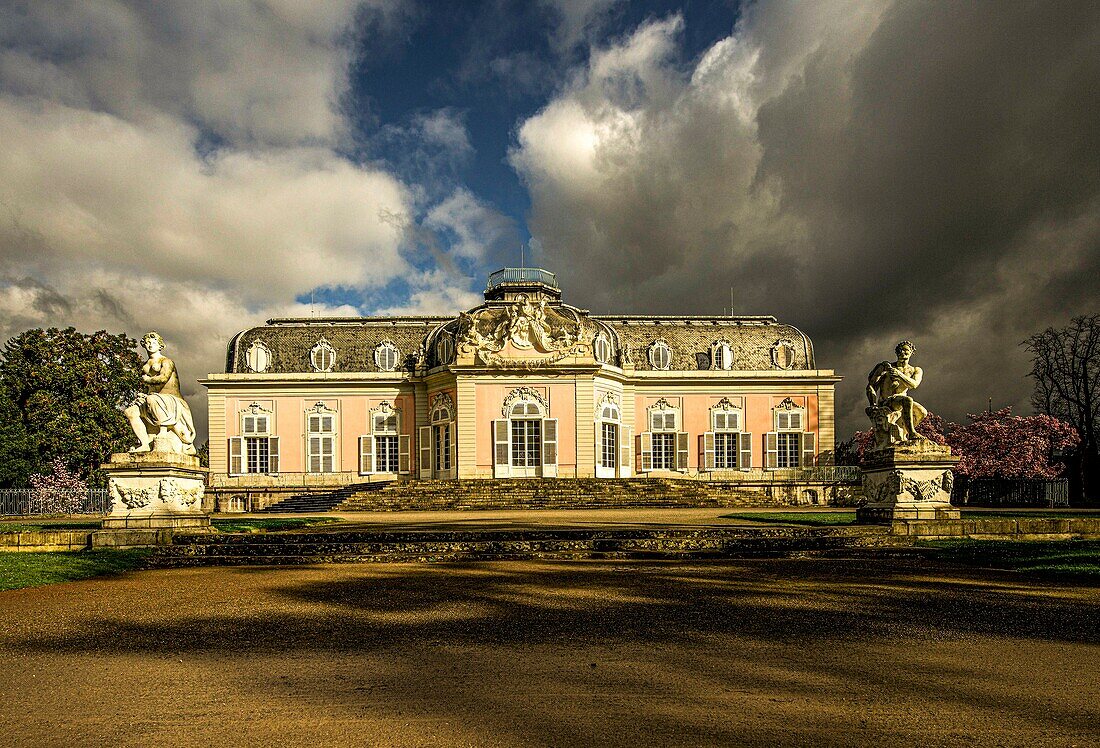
{"x": 761, "y": 652}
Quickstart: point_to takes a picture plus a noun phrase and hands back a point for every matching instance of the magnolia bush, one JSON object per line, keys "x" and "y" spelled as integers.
{"x": 992, "y": 445}
{"x": 61, "y": 491}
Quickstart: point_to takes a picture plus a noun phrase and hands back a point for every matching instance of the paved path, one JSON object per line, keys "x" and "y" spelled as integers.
{"x": 762, "y": 652}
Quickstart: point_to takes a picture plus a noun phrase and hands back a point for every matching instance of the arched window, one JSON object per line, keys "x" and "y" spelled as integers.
{"x": 441, "y": 412}
{"x": 323, "y": 356}
{"x": 610, "y": 439}
{"x": 258, "y": 357}
{"x": 385, "y": 449}
{"x": 386, "y": 356}
{"x": 721, "y": 355}
{"x": 601, "y": 348}
{"x": 444, "y": 349}
{"x": 660, "y": 355}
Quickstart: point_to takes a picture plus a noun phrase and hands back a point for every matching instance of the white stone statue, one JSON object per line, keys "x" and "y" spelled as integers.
{"x": 894, "y": 414}
{"x": 160, "y": 416}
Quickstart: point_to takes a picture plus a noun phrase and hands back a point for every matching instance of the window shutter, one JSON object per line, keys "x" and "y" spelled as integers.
{"x": 681, "y": 450}
{"x": 328, "y": 456}
{"x": 708, "y": 450}
{"x": 273, "y": 452}
{"x": 248, "y": 425}
{"x": 236, "y": 452}
{"x": 744, "y": 444}
{"x": 808, "y": 448}
{"x": 783, "y": 421}
{"x": 599, "y": 443}
{"x": 771, "y": 450}
{"x": 501, "y": 447}
{"x": 670, "y": 421}
{"x": 625, "y": 442}
{"x": 453, "y": 470}
{"x": 796, "y": 421}
{"x": 550, "y": 447}
{"x": 404, "y": 447}
{"x": 314, "y": 452}
{"x": 645, "y": 451}
{"x": 733, "y": 420}
{"x": 262, "y": 425}
{"x": 424, "y": 441}
{"x": 366, "y": 454}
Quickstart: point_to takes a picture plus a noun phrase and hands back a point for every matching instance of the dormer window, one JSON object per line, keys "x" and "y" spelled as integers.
{"x": 601, "y": 348}
{"x": 258, "y": 357}
{"x": 660, "y": 355}
{"x": 323, "y": 356}
{"x": 386, "y": 356}
{"x": 721, "y": 355}
{"x": 444, "y": 349}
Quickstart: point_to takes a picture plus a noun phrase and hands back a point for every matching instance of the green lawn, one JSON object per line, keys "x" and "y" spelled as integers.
{"x": 19, "y": 570}
{"x": 271, "y": 525}
{"x": 1053, "y": 558}
{"x": 797, "y": 518}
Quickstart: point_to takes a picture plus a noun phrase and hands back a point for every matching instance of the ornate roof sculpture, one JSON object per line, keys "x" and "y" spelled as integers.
{"x": 524, "y": 325}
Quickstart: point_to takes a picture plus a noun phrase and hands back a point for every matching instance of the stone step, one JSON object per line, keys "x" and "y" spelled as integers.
{"x": 465, "y": 545}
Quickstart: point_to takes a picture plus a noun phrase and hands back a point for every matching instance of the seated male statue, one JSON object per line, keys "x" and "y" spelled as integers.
{"x": 893, "y": 413}
{"x": 161, "y": 407}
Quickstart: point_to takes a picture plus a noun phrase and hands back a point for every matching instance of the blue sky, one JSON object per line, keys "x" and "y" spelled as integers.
{"x": 867, "y": 170}
{"x": 490, "y": 64}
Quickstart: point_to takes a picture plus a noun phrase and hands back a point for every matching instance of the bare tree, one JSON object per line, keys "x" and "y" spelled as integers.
{"x": 1066, "y": 370}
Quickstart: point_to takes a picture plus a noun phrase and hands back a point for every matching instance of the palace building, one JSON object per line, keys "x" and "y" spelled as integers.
{"x": 523, "y": 385}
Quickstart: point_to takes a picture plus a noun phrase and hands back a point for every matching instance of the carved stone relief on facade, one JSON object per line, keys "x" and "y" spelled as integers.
{"x": 523, "y": 393}
{"x": 540, "y": 333}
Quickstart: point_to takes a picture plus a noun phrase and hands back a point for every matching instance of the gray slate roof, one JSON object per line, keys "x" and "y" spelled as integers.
{"x": 290, "y": 341}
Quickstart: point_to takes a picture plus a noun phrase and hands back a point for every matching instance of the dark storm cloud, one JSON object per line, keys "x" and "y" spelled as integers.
{"x": 865, "y": 171}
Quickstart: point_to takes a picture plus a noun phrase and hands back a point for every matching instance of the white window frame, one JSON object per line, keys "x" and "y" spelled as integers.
{"x": 601, "y": 348}
{"x": 316, "y": 356}
{"x": 610, "y": 414}
{"x": 660, "y": 345}
{"x": 721, "y": 355}
{"x": 387, "y": 346}
{"x": 318, "y": 414}
{"x": 251, "y": 354}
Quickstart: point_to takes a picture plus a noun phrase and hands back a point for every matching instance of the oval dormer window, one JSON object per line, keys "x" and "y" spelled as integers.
{"x": 386, "y": 356}
{"x": 323, "y": 356}
{"x": 660, "y": 355}
{"x": 444, "y": 349}
{"x": 601, "y": 348}
{"x": 258, "y": 357}
{"x": 783, "y": 354}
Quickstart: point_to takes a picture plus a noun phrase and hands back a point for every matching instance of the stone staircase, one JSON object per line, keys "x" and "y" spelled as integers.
{"x": 319, "y": 501}
{"x": 464, "y": 545}
{"x": 547, "y": 493}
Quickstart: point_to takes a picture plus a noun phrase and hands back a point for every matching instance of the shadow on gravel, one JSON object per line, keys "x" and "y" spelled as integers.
{"x": 807, "y": 609}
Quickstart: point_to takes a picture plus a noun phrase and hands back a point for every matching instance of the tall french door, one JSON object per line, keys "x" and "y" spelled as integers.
{"x": 526, "y": 447}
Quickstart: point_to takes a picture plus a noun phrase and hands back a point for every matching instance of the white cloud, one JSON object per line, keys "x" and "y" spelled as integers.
{"x": 865, "y": 170}
{"x": 176, "y": 166}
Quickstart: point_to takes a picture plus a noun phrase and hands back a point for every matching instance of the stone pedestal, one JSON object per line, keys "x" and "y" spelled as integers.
{"x": 156, "y": 491}
{"x": 908, "y": 482}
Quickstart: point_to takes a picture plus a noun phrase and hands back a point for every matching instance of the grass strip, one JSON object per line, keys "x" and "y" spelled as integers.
{"x": 271, "y": 525}
{"x": 1049, "y": 558}
{"x": 818, "y": 519}
{"x": 18, "y": 570}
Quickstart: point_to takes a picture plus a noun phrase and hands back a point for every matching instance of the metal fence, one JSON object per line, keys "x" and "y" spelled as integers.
{"x": 28, "y": 502}
{"x": 1001, "y": 492}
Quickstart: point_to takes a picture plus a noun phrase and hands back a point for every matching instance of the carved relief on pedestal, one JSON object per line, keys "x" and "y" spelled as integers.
{"x": 132, "y": 497}
{"x": 539, "y": 333}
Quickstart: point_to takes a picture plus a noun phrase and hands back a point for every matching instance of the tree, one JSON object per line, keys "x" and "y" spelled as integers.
{"x": 61, "y": 394}
{"x": 992, "y": 445}
{"x": 1001, "y": 445}
{"x": 1066, "y": 370}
